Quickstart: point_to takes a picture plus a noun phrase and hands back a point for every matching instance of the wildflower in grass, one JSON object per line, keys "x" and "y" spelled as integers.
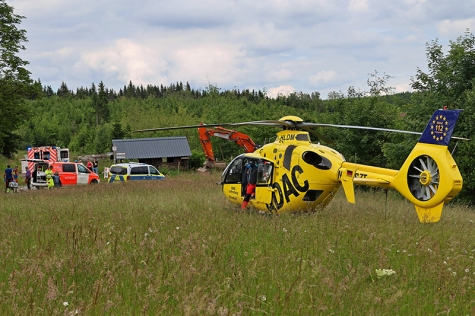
{"x": 384, "y": 272}
{"x": 177, "y": 228}
{"x": 65, "y": 303}
{"x": 263, "y": 298}
{"x": 285, "y": 230}
{"x": 146, "y": 234}
{"x": 454, "y": 273}
{"x": 467, "y": 270}
{"x": 331, "y": 250}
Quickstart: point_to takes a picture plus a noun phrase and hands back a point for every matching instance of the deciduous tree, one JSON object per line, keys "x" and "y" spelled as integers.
{"x": 450, "y": 82}
{"x": 14, "y": 78}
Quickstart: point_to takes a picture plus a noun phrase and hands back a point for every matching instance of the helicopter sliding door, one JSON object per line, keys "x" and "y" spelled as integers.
{"x": 231, "y": 179}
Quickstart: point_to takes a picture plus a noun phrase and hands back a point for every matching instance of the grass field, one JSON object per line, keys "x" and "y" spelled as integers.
{"x": 177, "y": 247}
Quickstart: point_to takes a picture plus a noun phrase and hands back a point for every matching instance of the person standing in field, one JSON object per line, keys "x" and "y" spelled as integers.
{"x": 28, "y": 177}
{"x": 57, "y": 180}
{"x": 7, "y": 177}
{"x": 95, "y": 166}
{"x": 89, "y": 164}
{"x": 15, "y": 174}
{"x": 49, "y": 177}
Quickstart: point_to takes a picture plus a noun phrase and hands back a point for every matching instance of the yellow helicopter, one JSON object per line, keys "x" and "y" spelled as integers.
{"x": 294, "y": 174}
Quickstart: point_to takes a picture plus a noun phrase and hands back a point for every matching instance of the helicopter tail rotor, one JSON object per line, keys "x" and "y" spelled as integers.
{"x": 429, "y": 178}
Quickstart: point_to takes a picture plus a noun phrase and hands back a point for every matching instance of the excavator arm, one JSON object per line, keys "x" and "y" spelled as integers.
{"x": 239, "y": 138}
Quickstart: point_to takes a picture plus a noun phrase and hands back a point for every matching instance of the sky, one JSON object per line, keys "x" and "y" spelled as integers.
{"x": 278, "y": 46}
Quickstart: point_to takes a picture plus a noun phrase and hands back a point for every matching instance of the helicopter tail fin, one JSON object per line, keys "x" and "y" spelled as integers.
{"x": 430, "y": 177}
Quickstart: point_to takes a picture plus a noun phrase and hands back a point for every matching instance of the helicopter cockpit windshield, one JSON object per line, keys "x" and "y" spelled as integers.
{"x": 233, "y": 172}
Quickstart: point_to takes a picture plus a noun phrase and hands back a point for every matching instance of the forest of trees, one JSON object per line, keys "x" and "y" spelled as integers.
{"x": 88, "y": 118}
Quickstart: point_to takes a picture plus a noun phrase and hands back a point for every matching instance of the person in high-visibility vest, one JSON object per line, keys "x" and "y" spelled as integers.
{"x": 49, "y": 177}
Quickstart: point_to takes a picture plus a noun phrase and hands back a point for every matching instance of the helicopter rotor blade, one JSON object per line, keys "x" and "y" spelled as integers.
{"x": 318, "y": 135}
{"x": 291, "y": 125}
{"x": 305, "y": 125}
{"x": 271, "y": 123}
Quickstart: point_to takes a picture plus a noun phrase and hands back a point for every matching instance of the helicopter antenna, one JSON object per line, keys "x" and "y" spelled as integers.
{"x": 454, "y": 147}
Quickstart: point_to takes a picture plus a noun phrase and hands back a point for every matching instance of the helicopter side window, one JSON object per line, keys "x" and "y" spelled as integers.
{"x": 233, "y": 172}
{"x": 264, "y": 173}
{"x": 316, "y": 160}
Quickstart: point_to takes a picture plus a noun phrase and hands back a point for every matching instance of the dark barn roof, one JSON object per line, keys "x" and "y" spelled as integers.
{"x": 160, "y": 147}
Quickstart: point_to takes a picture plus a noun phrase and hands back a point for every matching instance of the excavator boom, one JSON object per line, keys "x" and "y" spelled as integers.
{"x": 239, "y": 138}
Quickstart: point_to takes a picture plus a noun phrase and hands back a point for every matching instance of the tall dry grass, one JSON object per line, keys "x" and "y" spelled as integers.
{"x": 177, "y": 247}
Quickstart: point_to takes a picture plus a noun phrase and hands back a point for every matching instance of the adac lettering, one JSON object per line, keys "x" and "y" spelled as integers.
{"x": 289, "y": 188}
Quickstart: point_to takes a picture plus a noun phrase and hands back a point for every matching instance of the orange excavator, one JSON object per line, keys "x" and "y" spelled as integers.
{"x": 239, "y": 138}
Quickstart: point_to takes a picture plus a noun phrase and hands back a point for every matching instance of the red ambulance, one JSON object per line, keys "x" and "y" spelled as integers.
{"x": 70, "y": 173}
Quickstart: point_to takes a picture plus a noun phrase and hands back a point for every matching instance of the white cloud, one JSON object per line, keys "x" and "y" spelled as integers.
{"x": 323, "y": 76}
{"x": 127, "y": 60}
{"x": 302, "y": 45}
{"x": 281, "y": 75}
{"x": 414, "y": 2}
{"x": 358, "y": 5}
{"x": 455, "y": 28}
{"x": 281, "y": 90}
{"x": 217, "y": 63}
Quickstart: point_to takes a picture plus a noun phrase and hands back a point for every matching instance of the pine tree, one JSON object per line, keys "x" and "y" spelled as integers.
{"x": 100, "y": 101}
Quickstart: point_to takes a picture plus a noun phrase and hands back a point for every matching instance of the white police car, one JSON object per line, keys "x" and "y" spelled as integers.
{"x": 122, "y": 172}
